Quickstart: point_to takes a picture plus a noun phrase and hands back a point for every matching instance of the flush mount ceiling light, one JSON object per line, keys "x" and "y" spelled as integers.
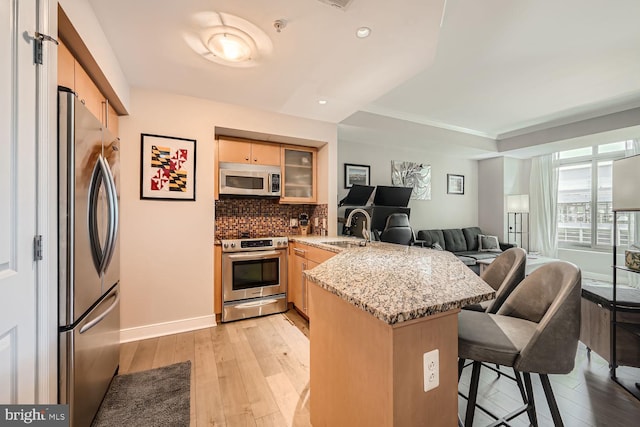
{"x": 230, "y": 47}
{"x": 228, "y": 40}
{"x": 363, "y": 32}
{"x": 322, "y": 101}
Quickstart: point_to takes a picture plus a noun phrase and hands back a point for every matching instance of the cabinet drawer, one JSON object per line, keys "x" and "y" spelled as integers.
{"x": 318, "y": 255}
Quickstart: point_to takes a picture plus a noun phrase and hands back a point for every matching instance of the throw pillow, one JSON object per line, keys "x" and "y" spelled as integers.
{"x": 437, "y": 247}
{"x": 488, "y": 243}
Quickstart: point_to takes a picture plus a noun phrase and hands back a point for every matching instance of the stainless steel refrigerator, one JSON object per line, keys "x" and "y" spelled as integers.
{"x": 89, "y": 259}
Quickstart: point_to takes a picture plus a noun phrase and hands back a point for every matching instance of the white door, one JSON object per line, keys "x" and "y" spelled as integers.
{"x": 17, "y": 202}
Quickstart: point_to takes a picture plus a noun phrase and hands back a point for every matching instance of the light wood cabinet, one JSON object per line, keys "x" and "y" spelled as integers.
{"x": 243, "y": 151}
{"x": 297, "y": 260}
{"x": 299, "y": 174}
{"x": 88, "y": 93}
{"x": 112, "y": 120}
{"x": 71, "y": 74}
{"x": 303, "y": 257}
{"x": 66, "y": 67}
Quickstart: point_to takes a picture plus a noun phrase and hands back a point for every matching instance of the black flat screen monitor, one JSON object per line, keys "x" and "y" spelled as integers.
{"x": 392, "y": 196}
{"x": 358, "y": 195}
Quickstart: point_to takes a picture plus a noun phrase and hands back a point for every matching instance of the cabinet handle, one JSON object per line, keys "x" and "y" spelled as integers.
{"x": 246, "y": 158}
{"x": 82, "y": 102}
{"x": 106, "y": 113}
{"x": 255, "y": 160}
{"x": 304, "y": 288}
{"x": 299, "y": 251}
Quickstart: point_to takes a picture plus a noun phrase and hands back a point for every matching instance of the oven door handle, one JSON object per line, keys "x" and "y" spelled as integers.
{"x": 254, "y": 255}
{"x": 254, "y": 304}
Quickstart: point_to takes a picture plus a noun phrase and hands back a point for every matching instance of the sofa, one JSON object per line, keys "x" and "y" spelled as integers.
{"x": 463, "y": 242}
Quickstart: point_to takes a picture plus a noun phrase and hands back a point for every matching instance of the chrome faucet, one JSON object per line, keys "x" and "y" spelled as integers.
{"x": 366, "y": 232}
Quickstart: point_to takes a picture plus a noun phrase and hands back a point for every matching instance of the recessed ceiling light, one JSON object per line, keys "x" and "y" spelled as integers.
{"x": 322, "y": 101}
{"x": 363, "y": 32}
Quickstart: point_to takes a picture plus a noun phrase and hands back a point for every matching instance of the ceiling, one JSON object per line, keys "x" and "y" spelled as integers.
{"x": 494, "y": 68}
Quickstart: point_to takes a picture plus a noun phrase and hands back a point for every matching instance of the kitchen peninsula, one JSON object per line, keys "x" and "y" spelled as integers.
{"x": 376, "y": 311}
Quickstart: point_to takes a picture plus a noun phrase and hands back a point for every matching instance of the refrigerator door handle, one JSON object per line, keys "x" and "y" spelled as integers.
{"x": 98, "y": 319}
{"x": 114, "y": 219}
{"x": 102, "y": 176}
{"x": 94, "y": 237}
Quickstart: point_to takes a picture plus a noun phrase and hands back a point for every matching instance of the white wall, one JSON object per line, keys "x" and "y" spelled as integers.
{"x": 167, "y": 247}
{"x": 594, "y": 265}
{"x": 443, "y": 210}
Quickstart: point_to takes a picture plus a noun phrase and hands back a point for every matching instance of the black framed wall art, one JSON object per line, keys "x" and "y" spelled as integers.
{"x": 167, "y": 168}
{"x": 455, "y": 184}
{"x": 356, "y": 174}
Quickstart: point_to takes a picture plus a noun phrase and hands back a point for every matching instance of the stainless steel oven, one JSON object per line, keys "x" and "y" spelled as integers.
{"x": 254, "y": 277}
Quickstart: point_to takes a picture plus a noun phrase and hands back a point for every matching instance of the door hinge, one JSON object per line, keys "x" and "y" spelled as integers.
{"x": 37, "y": 248}
{"x": 38, "y": 39}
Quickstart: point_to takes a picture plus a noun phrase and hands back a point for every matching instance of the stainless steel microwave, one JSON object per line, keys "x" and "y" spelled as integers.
{"x": 249, "y": 180}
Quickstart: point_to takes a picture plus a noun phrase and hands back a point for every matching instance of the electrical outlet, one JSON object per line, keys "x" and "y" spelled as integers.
{"x": 431, "y": 367}
{"x": 293, "y": 222}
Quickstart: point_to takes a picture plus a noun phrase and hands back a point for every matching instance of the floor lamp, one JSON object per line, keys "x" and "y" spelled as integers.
{"x": 518, "y": 220}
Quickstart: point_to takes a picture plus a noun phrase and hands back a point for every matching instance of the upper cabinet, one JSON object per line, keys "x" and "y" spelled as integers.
{"x": 244, "y": 151}
{"x": 88, "y": 93}
{"x": 72, "y": 75}
{"x": 297, "y": 165}
{"x": 299, "y": 170}
{"x": 66, "y": 67}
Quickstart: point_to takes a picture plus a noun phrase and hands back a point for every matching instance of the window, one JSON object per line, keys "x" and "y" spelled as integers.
{"x": 585, "y": 217}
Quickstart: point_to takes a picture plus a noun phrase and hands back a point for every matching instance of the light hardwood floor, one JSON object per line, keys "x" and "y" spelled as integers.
{"x": 256, "y": 373}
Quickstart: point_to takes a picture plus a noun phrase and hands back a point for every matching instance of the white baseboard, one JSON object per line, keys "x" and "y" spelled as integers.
{"x": 166, "y": 328}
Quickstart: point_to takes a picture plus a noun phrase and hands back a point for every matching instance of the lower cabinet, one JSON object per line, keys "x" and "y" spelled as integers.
{"x": 303, "y": 257}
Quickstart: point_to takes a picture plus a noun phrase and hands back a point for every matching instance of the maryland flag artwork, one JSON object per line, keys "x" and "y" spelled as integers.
{"x": 167, "y": 168}
{"x": 168, "y": 175}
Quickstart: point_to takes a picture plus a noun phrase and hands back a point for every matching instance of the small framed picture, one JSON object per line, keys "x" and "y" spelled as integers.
{"x": 455, "y": 184}
{"x": 356, "y": 174}
{"x": 167, "y": 168}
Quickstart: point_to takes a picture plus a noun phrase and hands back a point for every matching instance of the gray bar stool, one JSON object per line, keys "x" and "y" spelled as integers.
{"x": 536, "y": 330}
{"x": 503, "y": 275}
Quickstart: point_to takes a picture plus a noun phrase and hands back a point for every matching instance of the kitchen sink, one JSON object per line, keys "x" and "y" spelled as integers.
{"x": 344, "y": 244}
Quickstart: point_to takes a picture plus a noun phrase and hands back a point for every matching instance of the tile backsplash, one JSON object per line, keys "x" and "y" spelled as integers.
{"x": 262, "y": 217}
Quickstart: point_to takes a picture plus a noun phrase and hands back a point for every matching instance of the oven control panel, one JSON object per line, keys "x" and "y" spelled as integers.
{"x": 259, "y": 244}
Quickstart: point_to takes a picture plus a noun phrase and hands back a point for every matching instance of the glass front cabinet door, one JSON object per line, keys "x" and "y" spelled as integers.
{"x": 299, "y": 166}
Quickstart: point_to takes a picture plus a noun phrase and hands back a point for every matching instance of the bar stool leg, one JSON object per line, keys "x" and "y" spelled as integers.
{"x": 531, "y": 405}
{"x": 516, "y": 374}
{"x": 553, "y": 406}
{"x": 473, "y": 394}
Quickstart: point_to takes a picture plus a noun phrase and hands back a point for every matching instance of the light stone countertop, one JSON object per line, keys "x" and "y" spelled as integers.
{"x": 396, "y": 283}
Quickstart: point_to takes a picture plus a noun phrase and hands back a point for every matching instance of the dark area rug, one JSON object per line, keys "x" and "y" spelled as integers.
{"x": 158, "y": 397}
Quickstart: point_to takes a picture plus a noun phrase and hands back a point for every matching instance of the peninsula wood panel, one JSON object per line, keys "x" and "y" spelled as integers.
{"x": 365, "y": 372}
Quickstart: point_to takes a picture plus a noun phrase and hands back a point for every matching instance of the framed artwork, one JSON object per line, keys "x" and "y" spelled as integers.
{"x": 167, "y": 168}
{"x": 455, "y": 184}
{"x": 356, "y": 174}
{"x": 413, "y": 175}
